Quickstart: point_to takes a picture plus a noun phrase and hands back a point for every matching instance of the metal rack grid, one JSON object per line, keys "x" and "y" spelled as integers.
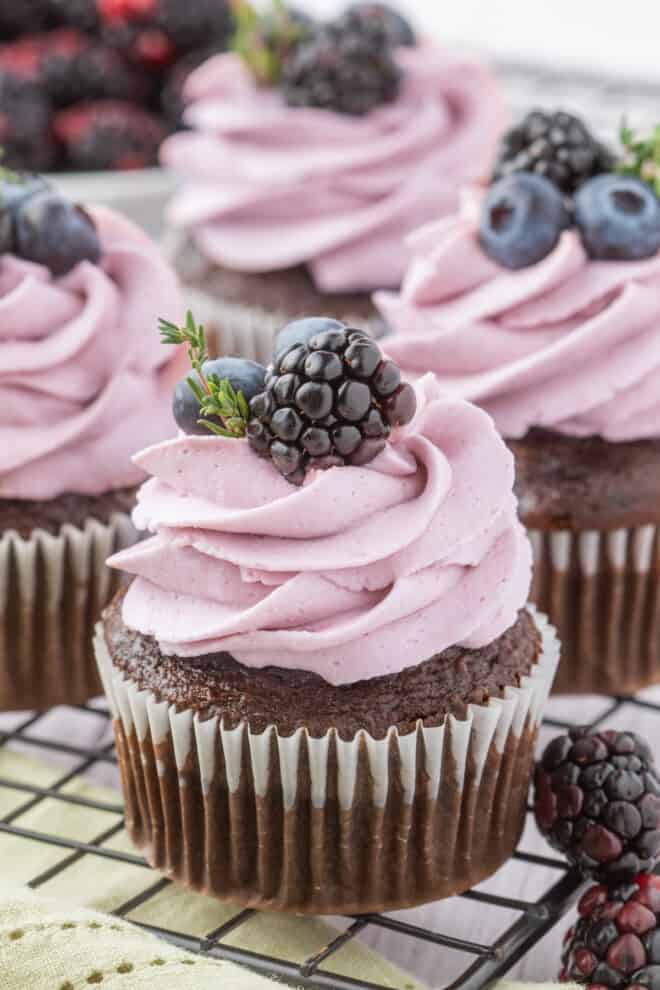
{"x": 489, "y": 961}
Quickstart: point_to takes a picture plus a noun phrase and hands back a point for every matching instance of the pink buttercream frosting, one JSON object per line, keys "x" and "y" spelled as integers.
{"x": 359, "y": 573}
{"x": 268, "y": 186}
{"x": 84, "y": 380}
{"x": 569, "y": 344}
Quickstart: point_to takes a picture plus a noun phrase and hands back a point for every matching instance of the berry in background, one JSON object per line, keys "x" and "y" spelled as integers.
{"x": 597, "y": 800}
{"x": 556, "y": 145}
{"x": 615, "y": 943}
{"x": 109, "y": 134}
{"x": 522, "y": 219}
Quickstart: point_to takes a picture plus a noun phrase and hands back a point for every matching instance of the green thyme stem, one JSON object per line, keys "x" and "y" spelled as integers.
{"x": 224, "y": 411}
{"x": 641, "y": 156}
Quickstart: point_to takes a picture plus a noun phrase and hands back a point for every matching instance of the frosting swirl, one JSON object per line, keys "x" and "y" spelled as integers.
{"x": 84, "y": 380}
{"x": 569, "y": 344}
{"x": 360, "y": 573}
{"x": 268, "y": 187}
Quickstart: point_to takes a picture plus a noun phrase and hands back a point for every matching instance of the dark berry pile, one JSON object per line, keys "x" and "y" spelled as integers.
{"x": 330, "y": 399}
{"x": 347, "y": 66}
{"x": 598, "y": 801}
{"x": 616, "y": 941}
{"x": 39, "y": 225}
{"x": 556, "y": 145}
{"x": 553, "y": 174}
{"x": 109, "y": 134}
{"x": 59, "y": 55}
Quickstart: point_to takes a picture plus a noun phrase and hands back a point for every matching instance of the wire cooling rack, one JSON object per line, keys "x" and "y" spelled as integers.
{"x": 603, "y": 102}
{"x": 489, "y": 961}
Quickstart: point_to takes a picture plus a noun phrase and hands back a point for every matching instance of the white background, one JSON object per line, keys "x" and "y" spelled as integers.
{"x": 611, "y": 35}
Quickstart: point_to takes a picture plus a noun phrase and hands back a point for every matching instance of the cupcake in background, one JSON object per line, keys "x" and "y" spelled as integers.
{"x": 82, "y": 387}
{"x": 325, "y": 653}
{"x": 313, "y": 149}
{"x": 540, "y": 301}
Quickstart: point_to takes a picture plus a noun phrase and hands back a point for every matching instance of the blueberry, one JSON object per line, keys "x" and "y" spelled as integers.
{"x": 301, "y": 332}
{"x": 522, "y": 218}
{"x": 245, "y": 376}
{"x": 618, "y": 217}
{"x": 54, "y": 232}
{"x": 12, "y": 193}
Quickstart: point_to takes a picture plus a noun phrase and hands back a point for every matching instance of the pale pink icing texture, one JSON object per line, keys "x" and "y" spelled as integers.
{"x": 267, "y": 186}
{"x": 361, "y": 572}
{"x": 569, "y": 344}
{"x": 84, "y": 379}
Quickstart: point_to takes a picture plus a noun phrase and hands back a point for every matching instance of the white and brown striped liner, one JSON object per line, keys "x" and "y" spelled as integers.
{"x": 52, "y": 591}
{"x": 601, "y": 590}
{"x": 325, "y": 825}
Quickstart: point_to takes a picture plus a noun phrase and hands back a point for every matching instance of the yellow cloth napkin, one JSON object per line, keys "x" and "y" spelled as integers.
{"x": 48, "y": 952}
{"x": 58, "y": 939}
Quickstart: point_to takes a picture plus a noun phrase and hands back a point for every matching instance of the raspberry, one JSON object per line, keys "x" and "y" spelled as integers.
{"x": 109, "y": 134}
{"x": 330, "y": 399}
{"x": 616, "y": 941}
{"x": 556, "y": 145}
{"x": 597, "y": 801}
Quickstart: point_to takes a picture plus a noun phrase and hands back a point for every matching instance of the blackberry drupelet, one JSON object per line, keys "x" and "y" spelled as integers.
{"x": 597, "y": 800}
{"x": 331, "y": 399}
{"x": 344, "y": 67}
{"x": 615, "y": 943}
{"x": 556, "y": 145}
{"x": 109, "y": 134}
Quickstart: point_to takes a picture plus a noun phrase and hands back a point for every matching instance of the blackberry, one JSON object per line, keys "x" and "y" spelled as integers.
{"x": 382, "y": 17}
{"x": 25, "y": 125}
{"x": 343, "y": 66}
{"x": 74, "y": 66}
{"x": 556, "y": 145}
{"x": 19, "y": 17}
{"x": 597, "y": 801}
{"x": 82, "y": 14}
{"x": 616, "y": 941}
{"x": 109, "y": 134}
{"x": 160, "y": 31}
{"x": 331, "y": 399}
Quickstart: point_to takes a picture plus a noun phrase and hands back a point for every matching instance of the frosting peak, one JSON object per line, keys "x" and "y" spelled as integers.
{"x": 84, "y": 381}
{"x": 569, "y": 344}
{"x": 361, "y": 572}
{"x": 268, "y": 186}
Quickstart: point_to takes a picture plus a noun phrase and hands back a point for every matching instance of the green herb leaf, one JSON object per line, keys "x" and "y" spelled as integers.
{"x": 218, "y": 399}
{"x": 263, "y": 40}
{"x": 641, "y": 156}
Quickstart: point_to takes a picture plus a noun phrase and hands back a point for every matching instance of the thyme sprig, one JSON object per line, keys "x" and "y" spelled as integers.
{"x": 263, "y": 40}
{"x": 224, "y": 410}
{"x": 641, "y": 156}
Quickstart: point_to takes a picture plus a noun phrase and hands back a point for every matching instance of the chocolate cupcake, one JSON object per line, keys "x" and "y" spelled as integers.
{"x": 541, "y": 302}
{"x": 82, "y": 387}
{"x": 326, "y": 659}
{"x": 311, "y": 153}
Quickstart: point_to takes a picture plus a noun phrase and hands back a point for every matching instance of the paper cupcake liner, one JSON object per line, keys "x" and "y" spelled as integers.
{"x": 324, "y": 825}
{"x": 52, "y": 591}
{"x": 601, "y": 590}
